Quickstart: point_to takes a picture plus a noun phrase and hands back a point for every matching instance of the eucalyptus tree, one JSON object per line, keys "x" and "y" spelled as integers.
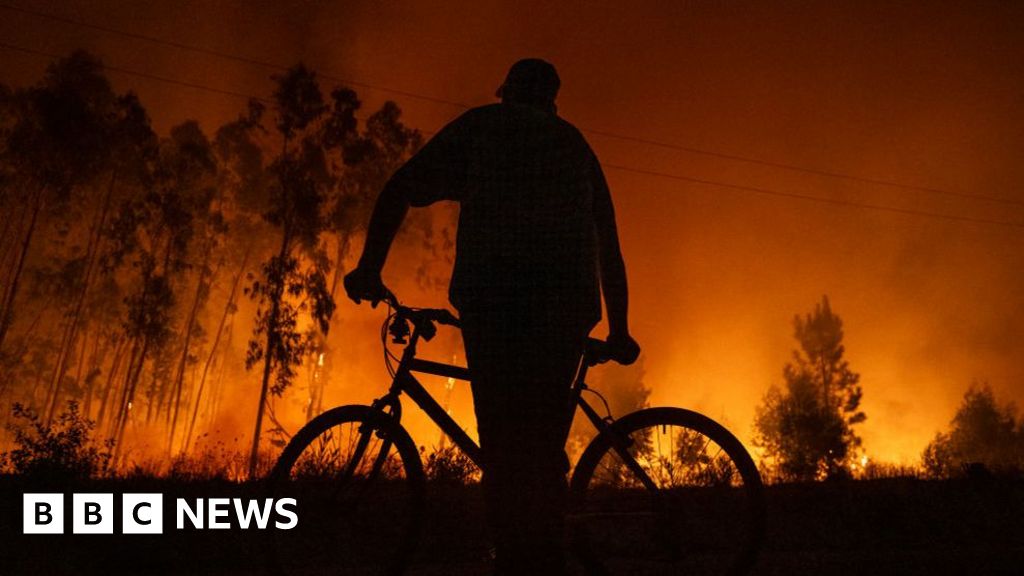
{"x": 68, "y": 143}
{"x": 293, "y": 281}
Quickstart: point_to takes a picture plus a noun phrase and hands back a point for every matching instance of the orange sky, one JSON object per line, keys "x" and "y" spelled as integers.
{"x": 925, "y": 93}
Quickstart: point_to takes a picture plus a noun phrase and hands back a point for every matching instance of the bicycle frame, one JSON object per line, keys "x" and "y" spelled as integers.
{"x": 382, "y": 420}
{"x": 405, "y": 382}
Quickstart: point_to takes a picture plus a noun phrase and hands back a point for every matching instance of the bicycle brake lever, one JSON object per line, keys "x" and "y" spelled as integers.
{"x": 399, "y": 331}
{"x": 428, "y": 331}
{"x": 447, "y": 318}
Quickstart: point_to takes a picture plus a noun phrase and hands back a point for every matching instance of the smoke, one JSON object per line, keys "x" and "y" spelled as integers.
{"x": 917, "y": 93}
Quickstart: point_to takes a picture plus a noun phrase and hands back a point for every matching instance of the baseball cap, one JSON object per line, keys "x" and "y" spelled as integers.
{"x": 531, "y": 79}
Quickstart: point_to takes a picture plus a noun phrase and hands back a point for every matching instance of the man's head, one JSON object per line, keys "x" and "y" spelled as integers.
{"x": 531, "y": 81}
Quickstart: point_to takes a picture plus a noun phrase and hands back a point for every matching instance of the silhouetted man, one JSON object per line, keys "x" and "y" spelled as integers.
{"x": 536, "y": 244}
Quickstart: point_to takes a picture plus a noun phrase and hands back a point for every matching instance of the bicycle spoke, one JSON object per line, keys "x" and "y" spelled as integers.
{"x": 358, "y": 501}
{"x": 701, "y": 517}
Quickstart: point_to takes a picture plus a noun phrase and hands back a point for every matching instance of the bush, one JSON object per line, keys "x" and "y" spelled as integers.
{"x": 450, "y": 465}
{"x": 984, "y": 438}
{"x": 58, "y": 451}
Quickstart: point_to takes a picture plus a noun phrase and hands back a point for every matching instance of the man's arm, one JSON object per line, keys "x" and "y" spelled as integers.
{"x": 613, "y": 271}
{"x": 388, "y": 214}
{"x": 434, "y": 173}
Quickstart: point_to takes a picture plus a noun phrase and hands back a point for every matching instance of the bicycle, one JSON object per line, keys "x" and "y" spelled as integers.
{"x": 657, "y": 491}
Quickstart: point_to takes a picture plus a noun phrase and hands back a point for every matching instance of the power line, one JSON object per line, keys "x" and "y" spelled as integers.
{"x": 653, "y": 173}
{"x": 164, "y": 79}
{"x": 146, "y": 75}
{"x": 224, "y": 55}
{"x": 462, "y": 105}
{"x": 819, "y": 199}
{"x": 815, "y": 171}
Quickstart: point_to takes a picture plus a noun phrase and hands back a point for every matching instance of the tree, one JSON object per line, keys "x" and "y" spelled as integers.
{"x": 116, "y": 244}
{"x": 368, "y": 160}
{"x": 190, "y": 162}
{"x": 300, "y": 180}
{"x": 242, "y": 184}
{"x": 68, "y": 145}
{"x": 981, "y": 433}
{"x": 58, "y": 137}
{"x": 807, "y": 428}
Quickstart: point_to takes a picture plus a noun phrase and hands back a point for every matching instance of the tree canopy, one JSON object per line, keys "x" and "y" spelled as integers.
{"x": 123, "y": 252}
{"x": 982, "y": 433}
{"x": 806, "y": 427}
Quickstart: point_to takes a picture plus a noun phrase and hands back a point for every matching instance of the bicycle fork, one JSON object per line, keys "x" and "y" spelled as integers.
{"x": 389, "y": 407}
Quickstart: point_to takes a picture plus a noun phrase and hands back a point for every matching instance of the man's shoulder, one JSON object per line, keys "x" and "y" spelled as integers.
{"x": 485, "y": 113}
{"x": 497, "y": 118}
{"x": 502, "y": 112}
{"x": 571, "y": 130}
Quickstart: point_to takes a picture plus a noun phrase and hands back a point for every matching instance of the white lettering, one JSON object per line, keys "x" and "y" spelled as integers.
{"x": 196, "y": 517}
{"x": 253, "y": 510}
{"x": 219, "y": 509}
{"x": 291, "y": 514}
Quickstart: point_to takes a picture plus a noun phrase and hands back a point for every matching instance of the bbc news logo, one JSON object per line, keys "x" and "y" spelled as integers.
{"x": 143, "y": 513}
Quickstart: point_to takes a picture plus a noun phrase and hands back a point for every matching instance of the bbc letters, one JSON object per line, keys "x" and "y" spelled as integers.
{"x": 94, "y": 513}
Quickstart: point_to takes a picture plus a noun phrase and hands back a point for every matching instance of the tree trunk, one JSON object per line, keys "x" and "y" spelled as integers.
{"x": 115, "y": 367}
{"x": 213, "y": 349}
{"x": 179, "y": 378}
{"x": 12, "y": 289}
{"x": 95, "y": 361}
{"x": 275, "y": 311}
{"x": 128, "y": 399}
{"x": 254, "y": 455}
{"x": 7, "y": 245}
{"x": 217, "y": 390}
{"x": 118, "y": 406}
{"x": 71, "y": 332}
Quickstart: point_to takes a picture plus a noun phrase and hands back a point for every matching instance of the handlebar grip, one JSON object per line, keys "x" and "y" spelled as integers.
{"x": 449, "y": 319}
{"x": 596, "y": 352}
{"x": 599, "y": 352}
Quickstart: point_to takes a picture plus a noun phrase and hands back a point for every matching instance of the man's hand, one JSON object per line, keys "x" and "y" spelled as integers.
{"x": 363, "y": 284}
{"x": 622, "y": 348}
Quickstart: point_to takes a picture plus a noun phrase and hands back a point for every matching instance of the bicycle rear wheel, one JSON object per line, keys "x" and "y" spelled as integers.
{"x": 666, "y": 491}
{"x": 359, "y": 484}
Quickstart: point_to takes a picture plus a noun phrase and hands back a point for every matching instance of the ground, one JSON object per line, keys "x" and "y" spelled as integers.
{"x": 895, "y": 526}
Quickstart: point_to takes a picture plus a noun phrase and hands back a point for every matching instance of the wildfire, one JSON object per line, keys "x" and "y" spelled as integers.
{"x": 860, "y": 464}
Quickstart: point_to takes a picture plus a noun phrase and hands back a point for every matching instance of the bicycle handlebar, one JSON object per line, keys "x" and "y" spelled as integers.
{"x": 420, "y": 315}
{"x": 595, "y": 351}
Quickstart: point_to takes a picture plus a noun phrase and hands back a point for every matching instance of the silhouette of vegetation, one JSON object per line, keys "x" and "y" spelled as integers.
{"x": 983, "y": 438}
{"x": 806, "y": 429}
{"x": 298, "y": 183}
{"x": 63, "y": 450}
{"x": 449, "y": 465}
{"x": 124, "y": 254}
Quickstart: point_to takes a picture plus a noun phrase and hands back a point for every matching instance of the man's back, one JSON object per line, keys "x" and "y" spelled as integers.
{"x": 526, "y": 181}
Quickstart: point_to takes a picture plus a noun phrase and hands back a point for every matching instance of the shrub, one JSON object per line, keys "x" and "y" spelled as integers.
{"x": 448, "y": 464}
{"x": 57, "y": 451}
{"x": 984, "y": 438}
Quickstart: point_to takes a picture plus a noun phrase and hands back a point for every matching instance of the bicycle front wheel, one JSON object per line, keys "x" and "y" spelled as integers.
{"x": 666, "y": 491}
{"x": 358, "y": 482}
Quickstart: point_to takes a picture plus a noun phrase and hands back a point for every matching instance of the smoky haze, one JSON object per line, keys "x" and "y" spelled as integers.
{"x": 925, "y": 94}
